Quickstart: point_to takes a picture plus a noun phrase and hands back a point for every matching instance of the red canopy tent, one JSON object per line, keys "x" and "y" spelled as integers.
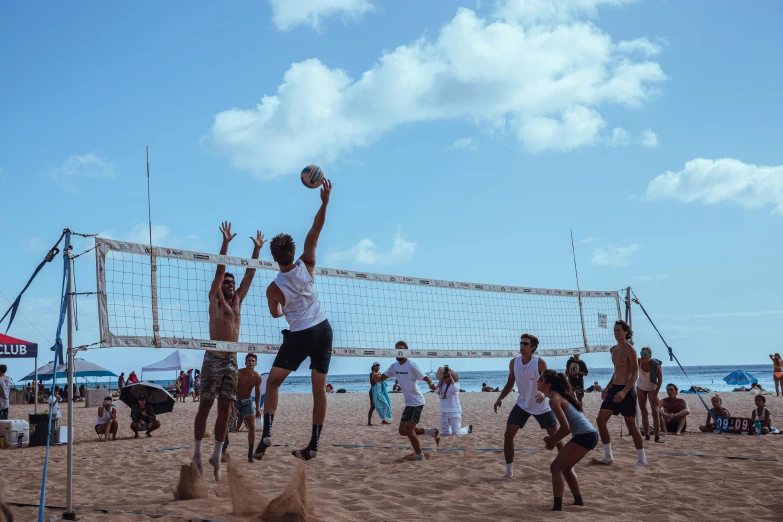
{"x": 13, "y": 348}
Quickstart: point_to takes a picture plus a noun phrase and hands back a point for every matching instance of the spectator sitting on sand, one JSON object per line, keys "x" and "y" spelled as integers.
{"x": 595, "y": 388}
{"x": 673, "y": 411}
{"x": 486, "y": 388}
{"x": 329, "y": 388}
{"x": 106, "y": 423}
{"x": 717, "y": 410}
{"x": 762, "y": 414}
{"x": 143, "y": 417}
{"x": 396, "y": 388}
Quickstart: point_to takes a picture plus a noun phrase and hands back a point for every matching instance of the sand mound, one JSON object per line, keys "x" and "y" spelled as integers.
{"x": 243, "y": 492}
{"x": 291, "y": 505}
{"x": 191, "y": 485}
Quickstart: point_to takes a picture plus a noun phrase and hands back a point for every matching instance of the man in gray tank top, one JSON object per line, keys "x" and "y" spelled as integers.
{"x": 293, "y": 295}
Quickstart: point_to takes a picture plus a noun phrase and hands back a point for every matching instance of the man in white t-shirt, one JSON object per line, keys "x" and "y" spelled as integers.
{"x": 408, "y": 375}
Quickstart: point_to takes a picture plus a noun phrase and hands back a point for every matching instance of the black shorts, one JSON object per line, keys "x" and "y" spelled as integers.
{"x": 519, "y": 417}
{"x": 626, "y": 407}
{"x": 314, "y": 342}
{"x": 672, "y": 426}
{"x": 586, "y": 440}
{"x": 412, "y": 414}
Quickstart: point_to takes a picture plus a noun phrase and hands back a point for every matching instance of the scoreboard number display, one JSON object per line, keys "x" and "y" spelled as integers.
{"x": 733, "y": 424}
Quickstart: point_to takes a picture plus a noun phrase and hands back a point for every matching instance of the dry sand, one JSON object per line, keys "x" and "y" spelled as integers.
{"x": 381, "y": 484}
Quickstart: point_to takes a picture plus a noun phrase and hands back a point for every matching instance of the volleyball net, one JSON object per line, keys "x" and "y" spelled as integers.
{"x": 368, "y": 312}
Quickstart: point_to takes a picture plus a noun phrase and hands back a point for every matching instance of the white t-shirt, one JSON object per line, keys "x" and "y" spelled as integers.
{"x": 449, "y": 399}
{"x": 54, "y": 406}
{"x": 408, "y": 376}
{"x": 5, "y": 392}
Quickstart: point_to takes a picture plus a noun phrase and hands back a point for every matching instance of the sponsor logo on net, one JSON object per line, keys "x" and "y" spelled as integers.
{"x": 174, "y": 252}
{"x": 202, "y": 257}
{"x": 208, "y": 345}
{"x": 180, "y": 342}
{"x": 369, "y": 352}
{"x": 349, "y": 351}
{"x": 244, "y": 262}
{"x": 360, "y": 275}
{"x": 266, "y": 264}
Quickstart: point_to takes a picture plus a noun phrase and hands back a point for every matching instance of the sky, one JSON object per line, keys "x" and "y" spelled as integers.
{"x": 464, "y": 140}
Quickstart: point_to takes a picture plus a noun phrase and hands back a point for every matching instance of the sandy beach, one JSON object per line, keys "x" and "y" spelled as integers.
{"x": 343, "y": 483}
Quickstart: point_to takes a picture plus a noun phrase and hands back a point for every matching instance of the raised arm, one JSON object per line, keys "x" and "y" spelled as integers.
{"x": 244, "y": 286}
{"x": 217, "y": 283}
{"x": 273, "y": 294}
{"x": 508, "y": 387}
{"x": 311, "y": 241}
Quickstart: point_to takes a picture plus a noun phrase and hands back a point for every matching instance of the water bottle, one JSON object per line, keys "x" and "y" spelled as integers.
{"x": 757, "y": 427}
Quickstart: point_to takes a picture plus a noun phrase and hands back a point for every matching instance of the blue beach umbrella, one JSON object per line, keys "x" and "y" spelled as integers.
{"x": 740, "y": 378}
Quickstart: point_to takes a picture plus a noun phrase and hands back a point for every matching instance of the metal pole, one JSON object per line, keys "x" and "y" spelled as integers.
{"x": 35, "y": 386}
{"x": 69, "y": 514}
{"x": 628, "y": 308}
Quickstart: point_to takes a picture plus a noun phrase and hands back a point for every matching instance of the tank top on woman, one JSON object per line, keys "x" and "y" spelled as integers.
{"x": 302, "y": 306}
{"x": 106, "y": 417}
{"x": 577, "y": 421}
{"x": 643, "y": 381}
{"x": 526, "y": 376}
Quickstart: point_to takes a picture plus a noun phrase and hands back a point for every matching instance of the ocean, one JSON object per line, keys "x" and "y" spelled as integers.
{"x": 710, "y": 377}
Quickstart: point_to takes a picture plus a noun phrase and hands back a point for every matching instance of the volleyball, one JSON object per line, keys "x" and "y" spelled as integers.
{"x": 312, "y": 176}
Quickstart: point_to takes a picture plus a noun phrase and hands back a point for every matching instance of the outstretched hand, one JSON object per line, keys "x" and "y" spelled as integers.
{"x": 259, "y": 240}
{"x": 225, "y": 229}
{"x": 326, "y": 190}
{"x": 498, "y": 404}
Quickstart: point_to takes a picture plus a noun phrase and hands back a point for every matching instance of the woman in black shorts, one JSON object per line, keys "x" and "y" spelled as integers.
{"x": 584, "y": 437}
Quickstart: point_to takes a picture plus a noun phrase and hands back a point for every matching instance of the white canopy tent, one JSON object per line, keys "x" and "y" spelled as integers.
{"x": 179, "y": 360}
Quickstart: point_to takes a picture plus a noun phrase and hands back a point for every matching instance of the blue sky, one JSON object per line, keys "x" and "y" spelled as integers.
{"x": 464, "y": 139}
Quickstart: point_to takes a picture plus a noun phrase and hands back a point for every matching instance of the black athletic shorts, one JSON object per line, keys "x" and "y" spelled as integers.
{"x": 314, "y": 342}
{"x": 586, "y": 440}
{"x": 412, "y": 414}
{"x": 672, "y": 426}
{"x": 626, "y": 407}
{"x": 519, "y": 417}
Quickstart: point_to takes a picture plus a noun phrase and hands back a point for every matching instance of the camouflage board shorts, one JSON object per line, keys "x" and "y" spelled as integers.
{"x": 219, "y": 376}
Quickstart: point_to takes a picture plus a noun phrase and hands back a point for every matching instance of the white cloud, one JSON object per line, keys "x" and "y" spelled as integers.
{"x": 287, "y": 14}
{"x": 462, "y": 143}
{"x": 620, "y": 137}
{"x": 653, "y": 277}
{"x": 528, "y": 12}
{"x": 722, "y": 181}
{"x": 614, "y": 255}
{"x": 649, "y": 139}
{"x": 90, "y": 165}
{"x": 543, "y": 83}
{"x": 366, "y": 252}
{"x": 586, "y": 240}
{"x": 640, "y": 45}
{"x": 161, "y": 236}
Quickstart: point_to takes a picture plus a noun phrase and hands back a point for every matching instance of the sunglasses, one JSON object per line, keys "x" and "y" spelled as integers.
{"x": 229, "y": 282}
{"x": 646, "y": 354}
{"x": 524, "y": 343}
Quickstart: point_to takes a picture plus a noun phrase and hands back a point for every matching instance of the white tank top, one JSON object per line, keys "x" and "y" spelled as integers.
{"x": 643, "y": 381}
{"x": 527, "y": 376}
{"x": 106, "y": 417}
{"x": 302, "y": 306}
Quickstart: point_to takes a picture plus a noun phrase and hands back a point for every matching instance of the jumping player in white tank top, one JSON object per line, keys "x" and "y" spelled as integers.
{"x": 293, "y": 295}
{"x": 524, "y": 371}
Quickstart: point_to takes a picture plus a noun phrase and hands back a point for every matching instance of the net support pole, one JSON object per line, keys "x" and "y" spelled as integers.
{"x": 69, "y": 514}
{"x": 153, "y": 263}
{"x": 579, "y": 296}
{"x": 35, "y": 387}
{"x": 628, "y": 318}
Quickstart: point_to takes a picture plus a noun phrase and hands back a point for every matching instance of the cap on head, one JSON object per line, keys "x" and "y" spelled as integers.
{"x": 107, "y": 398}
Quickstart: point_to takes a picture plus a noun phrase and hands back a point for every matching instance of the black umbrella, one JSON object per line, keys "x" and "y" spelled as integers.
{"x": 157, "y": 397}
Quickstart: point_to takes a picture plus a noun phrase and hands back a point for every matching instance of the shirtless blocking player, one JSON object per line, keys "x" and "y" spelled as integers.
{"x": 248, "y": 380}
{"x": 619, "y": 396}
{"x": 219, "y": 370}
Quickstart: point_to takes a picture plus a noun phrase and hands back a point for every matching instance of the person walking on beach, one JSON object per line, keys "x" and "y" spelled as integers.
{"x": 408, "y": 375}
{"x": 378, "y": 396}
{"x": 619, "y": 396}
{"x": 219, "y": 369}
{"x": 293, "y": 295}
{"x": 524, "y": 371}
{"x": 450, "y": 407}
{"x": 121, "y": 382}
{"x": 648, "y": 384}
{"x": 777, "y": 373}
{"x": 5, "y": 392}
{"x": 569, "y": 414}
